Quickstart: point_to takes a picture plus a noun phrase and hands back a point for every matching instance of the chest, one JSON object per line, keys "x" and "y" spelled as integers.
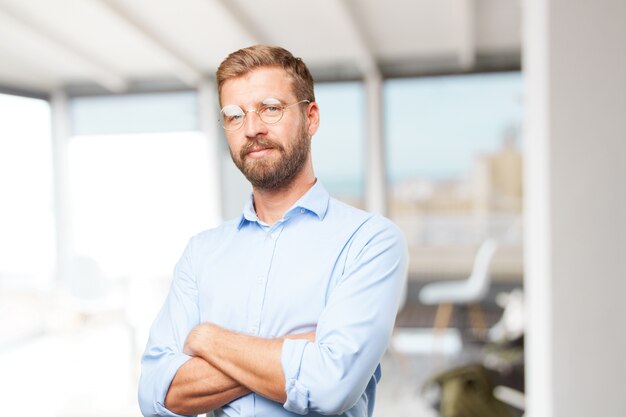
{"x": 270, "y": 284}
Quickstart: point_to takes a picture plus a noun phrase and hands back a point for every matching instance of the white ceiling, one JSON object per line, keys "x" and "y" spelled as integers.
{"x": 116, "y": 45}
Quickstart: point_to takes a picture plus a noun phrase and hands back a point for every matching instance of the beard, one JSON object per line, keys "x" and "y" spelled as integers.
{"x": 274, "y": 174}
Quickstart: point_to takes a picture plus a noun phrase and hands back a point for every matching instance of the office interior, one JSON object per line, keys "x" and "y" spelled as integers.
{"x": 490, "y": 131}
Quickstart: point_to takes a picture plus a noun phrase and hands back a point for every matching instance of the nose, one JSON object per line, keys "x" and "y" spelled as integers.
{"x": 253, "y": 125}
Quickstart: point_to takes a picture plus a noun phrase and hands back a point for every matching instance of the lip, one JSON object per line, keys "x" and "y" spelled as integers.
{"x": 259, "y": 152}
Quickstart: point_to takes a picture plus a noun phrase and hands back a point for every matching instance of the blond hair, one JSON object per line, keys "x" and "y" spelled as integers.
{"x": 245, "y": 60}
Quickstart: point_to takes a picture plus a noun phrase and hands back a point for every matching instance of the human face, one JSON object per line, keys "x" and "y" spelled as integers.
{"x": 270, "y": 156}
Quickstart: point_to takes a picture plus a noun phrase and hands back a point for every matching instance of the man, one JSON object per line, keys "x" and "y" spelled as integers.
{"x": 288, "y": 308}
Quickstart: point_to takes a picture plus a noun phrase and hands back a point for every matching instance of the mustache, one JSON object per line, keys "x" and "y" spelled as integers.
{"x": 259, "y": 143}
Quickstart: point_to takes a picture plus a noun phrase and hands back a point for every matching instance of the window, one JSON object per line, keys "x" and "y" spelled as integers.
{"x": 137, "y": 196}
{"x": 454, "y": 165}
{"x": 27, "y": 248}
{"x": 339, "y": 145}
{"x": 137, "y": 199}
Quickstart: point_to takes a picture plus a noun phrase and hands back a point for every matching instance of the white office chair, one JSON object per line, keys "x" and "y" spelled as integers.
{"x": 468, "y": 292}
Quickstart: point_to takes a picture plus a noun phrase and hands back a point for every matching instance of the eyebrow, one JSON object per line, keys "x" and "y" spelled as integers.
{"x": 266, "y": 101}
{"x": 271, "y": 100}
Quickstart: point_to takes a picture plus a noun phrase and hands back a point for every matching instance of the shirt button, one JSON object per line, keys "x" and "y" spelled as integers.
{"x": 260, "y": 280}
{"x": 301, "y": 211}
{"x": 253, "y": 329}
{"x": 272, "y": 236}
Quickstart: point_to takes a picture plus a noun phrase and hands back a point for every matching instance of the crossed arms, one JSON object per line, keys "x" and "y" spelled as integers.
{"x": 225, "y": 366}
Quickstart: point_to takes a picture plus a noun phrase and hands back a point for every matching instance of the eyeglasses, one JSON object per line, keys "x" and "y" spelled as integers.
{"x": 270, "y": 112}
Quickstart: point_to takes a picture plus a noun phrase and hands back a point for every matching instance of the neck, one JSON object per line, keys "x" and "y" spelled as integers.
{"x": 271, "y": 205}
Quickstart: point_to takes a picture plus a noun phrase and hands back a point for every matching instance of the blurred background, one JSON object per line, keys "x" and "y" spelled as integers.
{"x": 490, "y": 131}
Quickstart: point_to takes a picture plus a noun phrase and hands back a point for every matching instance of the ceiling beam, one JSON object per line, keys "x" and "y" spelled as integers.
{"x": 21, "y": 68}
{"x": 17, "y": 91}
{"x": 183, "y": 69}
{"x": 365, "y": 57}
{"x": 99, "y": 72}
{"x": 20, "y": 77}
{"x": 244, "y": 23}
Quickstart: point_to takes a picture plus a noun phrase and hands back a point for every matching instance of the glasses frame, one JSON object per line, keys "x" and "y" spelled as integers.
{"x": 282, "y": 107}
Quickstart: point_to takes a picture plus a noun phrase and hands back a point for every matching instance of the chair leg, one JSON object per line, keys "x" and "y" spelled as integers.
{"x": 442, "y": 318}
{"x": 477, "y": 319}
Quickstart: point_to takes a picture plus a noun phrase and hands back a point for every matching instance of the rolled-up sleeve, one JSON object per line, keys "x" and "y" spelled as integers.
{"x": 328, "y": 376}
{"x": 163, "y": 355}
{"x": 297, "y": 394}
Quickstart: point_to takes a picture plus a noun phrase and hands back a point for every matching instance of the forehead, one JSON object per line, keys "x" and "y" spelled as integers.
{"x": 257, "y": 85}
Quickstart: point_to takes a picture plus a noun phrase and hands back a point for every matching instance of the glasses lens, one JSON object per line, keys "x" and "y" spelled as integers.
{"x": 232, "y": 117}
{"x": 271, "y": 113}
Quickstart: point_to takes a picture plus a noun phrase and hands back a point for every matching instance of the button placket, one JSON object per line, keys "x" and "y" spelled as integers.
{"x": 274, "y": 233}
{"x": 266, "y": 253}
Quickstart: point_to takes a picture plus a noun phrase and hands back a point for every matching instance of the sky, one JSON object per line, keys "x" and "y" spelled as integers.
{"x": 435, "y": 125}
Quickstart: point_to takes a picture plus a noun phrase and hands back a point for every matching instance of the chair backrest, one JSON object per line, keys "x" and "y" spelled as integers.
{"x": 480, "y": 278}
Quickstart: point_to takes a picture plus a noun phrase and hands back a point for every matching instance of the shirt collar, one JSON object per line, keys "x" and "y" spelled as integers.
{"x": 314, "y": 200}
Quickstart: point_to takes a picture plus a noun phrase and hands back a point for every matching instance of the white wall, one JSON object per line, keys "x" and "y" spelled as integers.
{"x": 575, "y": 69}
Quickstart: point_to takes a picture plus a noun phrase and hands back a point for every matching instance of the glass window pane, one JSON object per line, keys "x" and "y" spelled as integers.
{"x": 137, "y": 199}
{"x": 339, "y": 145}
{"x": 26, "y": 217}
{"x": 134, "y": 113}
{"x": 455, "y": 167}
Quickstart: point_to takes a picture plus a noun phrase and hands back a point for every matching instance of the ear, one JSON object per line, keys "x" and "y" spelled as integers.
{"x": 313, "y": 118}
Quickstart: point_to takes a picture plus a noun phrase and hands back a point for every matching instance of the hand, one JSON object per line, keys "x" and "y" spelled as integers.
{"x": 199, "y": 339}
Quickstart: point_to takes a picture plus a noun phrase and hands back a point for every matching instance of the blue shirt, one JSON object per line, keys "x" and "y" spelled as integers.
{"x": 325, "y": 267}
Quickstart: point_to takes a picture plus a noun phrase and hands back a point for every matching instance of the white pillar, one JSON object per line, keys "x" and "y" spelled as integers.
{"x": 575, "y": 175}
{"x": 209, "y": 125}
{"x": 376, "y": 176}
{"x": 467, "y": 32}
{"x": 61, "y": 132}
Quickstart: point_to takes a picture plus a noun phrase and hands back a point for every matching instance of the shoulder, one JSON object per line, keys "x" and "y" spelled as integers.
{"x": 210, "y": 239}
{"x": 365, "y": 226}
{"x": 376, "y": 246}
{"x": 343, "y": 214}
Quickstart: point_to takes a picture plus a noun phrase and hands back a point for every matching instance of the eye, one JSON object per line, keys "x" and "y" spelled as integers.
{"x": 269, "y": 109}
{"x": 232, "y": 113}
{"x": 234, "y": 117}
